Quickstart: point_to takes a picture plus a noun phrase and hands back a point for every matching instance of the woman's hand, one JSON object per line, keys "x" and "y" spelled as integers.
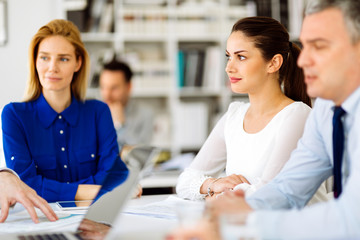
{"x": 220, "y": 185}
{"x": 14, "y": 190}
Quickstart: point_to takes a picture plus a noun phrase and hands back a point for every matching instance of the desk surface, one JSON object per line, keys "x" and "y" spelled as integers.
{"x": 130, "y": 225}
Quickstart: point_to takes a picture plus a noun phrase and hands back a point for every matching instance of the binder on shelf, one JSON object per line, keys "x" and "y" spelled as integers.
{"x": 200, "y": 67}
{"x": 106, "y": 18}
{"x": 181, "y": 68}
{"x": 191, "y": 67}
{"x": 95, "y": 15}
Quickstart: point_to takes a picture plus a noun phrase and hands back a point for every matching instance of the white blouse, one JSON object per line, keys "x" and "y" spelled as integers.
{"x": 258, "y": 157}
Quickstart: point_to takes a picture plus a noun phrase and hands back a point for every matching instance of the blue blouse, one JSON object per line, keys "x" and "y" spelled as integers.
{"x": 54, "y": 153}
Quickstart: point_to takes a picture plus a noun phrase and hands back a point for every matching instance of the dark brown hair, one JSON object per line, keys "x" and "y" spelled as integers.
{"x": 272, "y": 38}
{"x": 116, "y": 65}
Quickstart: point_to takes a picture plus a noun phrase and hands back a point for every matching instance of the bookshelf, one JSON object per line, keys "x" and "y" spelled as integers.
{"x": 176, "y": 50}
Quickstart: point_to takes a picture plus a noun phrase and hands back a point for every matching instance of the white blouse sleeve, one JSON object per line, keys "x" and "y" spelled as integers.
{"x": 209, "y": 162}
{"x": 291, "y": 130}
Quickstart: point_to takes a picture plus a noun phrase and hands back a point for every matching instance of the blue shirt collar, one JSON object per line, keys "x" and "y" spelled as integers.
{"x": 47, "y": 115}
{"x": 350, "y": 104}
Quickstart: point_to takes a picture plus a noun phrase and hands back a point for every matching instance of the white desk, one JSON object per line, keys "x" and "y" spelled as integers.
{"x": 146, "y": 200}
{"x": 143, "y": 227}
{"x": 129, "y": 226}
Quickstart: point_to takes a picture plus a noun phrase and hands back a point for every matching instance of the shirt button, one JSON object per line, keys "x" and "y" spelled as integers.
{"x": 65, "y": 166}
{"x": 67, "y": 182}
{"x": 92, "y": 155}
{"x": 36, "y": 166}
{"x": 61, "y": 131}
{"x": 63, "y": 149}
{"x": 12, "y": 158}
{"x": 60, "y": 117}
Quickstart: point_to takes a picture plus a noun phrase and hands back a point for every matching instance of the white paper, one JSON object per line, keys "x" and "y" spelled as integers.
{"x": 19, "y": 221}
{"x": 165, "y": 209}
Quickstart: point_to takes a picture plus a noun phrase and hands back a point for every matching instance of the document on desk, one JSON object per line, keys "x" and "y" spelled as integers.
{"x": 165, "y": 209}
{"x": 19, "y": 221}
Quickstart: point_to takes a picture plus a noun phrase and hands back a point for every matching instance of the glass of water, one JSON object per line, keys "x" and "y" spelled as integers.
{"x": 189, "y": 213}
{"x": 238, "y": 226}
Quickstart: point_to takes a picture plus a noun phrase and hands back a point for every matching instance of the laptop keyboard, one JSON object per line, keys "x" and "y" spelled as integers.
{"x": 52, "y": 236}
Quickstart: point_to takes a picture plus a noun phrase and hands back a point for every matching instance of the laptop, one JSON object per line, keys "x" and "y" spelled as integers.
{"x": 107, "y": 207}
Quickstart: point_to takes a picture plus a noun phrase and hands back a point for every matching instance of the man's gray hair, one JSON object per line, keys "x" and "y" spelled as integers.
{"x": 349, "y": 8}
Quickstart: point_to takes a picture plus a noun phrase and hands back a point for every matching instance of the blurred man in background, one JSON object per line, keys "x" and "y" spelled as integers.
{"x": 133, "y": 122}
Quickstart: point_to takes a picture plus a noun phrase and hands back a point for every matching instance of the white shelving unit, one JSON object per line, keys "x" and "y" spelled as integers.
{"x": 150, "y": 38}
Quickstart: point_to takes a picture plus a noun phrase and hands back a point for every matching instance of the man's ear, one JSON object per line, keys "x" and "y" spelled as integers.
{"x": 130, "y": 86}
{"x": 275, "y": 63}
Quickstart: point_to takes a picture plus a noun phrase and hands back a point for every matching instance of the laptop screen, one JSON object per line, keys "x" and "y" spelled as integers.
{"x": 108, "y": 205}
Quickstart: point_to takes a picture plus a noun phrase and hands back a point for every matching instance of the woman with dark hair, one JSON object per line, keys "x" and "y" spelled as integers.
{"x": 60, "y": 144}
{"x": 253, "y": 141}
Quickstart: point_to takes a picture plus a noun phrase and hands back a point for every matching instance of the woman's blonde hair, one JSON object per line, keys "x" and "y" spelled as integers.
{"x": 69, "y": 31}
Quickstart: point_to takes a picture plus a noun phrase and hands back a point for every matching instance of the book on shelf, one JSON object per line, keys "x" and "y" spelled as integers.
{"x": 106, "y": 19}
{"x": 96, "y": 9}
{"x": 101, "y": 16}
{"x": 181, "y": 68}
{"x": 192, "y": 60}
{"x": 284, "y": 10}
{"x": 200, "y": 67}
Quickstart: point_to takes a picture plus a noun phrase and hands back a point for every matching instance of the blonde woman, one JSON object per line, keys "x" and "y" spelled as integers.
{"x": 60, "y": 144}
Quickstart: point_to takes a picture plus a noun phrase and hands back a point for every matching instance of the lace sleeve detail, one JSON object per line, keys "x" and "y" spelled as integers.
{"x": 189, "y": 183}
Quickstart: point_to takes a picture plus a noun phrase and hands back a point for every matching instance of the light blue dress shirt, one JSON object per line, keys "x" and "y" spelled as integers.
{"x": 309, "y": 165}
{"x": 54, "y": 153}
